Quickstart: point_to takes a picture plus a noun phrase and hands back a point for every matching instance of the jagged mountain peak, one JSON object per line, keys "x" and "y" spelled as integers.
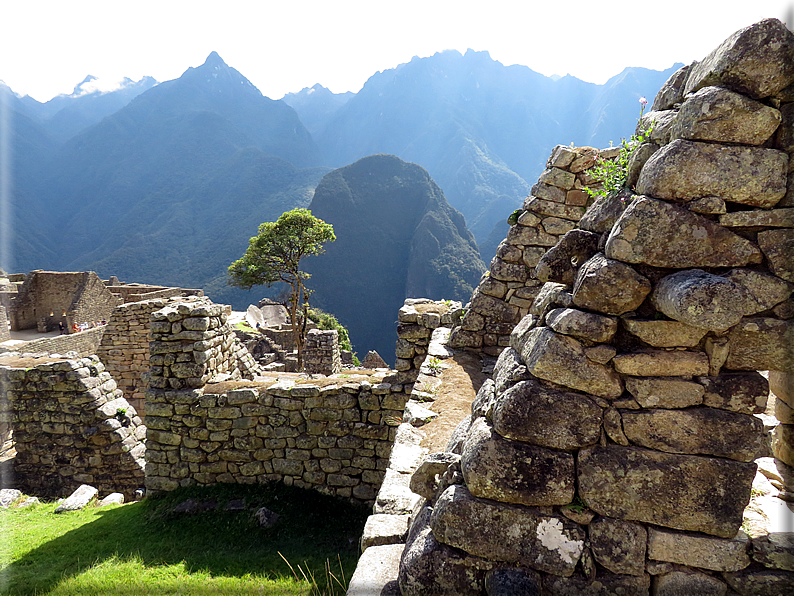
{"x": 214, "y": 60}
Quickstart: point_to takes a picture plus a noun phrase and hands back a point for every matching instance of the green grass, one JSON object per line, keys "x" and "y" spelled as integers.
{"x": 144, "y": 548}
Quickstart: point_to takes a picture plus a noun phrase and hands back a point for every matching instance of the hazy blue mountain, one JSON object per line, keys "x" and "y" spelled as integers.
{"x": 169, "y": 188}
{"x": 397, "y": 237}
{"x": 316, "y": 106}
{"x": 482, "y": 130}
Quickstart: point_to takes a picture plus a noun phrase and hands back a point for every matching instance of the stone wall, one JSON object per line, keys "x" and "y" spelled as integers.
{"x": 191, "y": 343}
{"x": 84, "y": 343}
{"x": 418, "y": 319}
{"x": 124, "y": 349}
{"x": 321, "y": 352}
{"x": 612, "y": 452}
{"x": 333, "y": 435}
{"x": 72, "y": 426}
{"x": 508, "y": 288}
{"x": 4, "y": 329}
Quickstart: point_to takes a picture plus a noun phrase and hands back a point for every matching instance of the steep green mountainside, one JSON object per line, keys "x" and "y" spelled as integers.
{"x": 169, "y": 188}
{"x": 482, "y": 130}
{"x": 397, "y": 237}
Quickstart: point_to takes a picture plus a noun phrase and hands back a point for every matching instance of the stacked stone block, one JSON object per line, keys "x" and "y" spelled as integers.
{"x": 191, "y": 343}
{"x": 125, "y": 349}
{"x": 321, "y": 352}
{"x": 507, "y": 289}
{"x": 612, "y": 452}
{"x": 72, "y": 426}
{"x": 417, "y": 319}
{"x": 4, "y": 329}
{"x": 334, "y": 436}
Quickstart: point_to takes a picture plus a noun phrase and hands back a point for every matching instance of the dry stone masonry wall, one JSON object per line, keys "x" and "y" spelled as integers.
{"x": 334, "y": 436}
{"x": 420, "y": 320}
{"x": 321, "y": 352}
{"x": 508, "y": 288}
{"x": 612, "y": 452}
{"x": 71, "y": 426}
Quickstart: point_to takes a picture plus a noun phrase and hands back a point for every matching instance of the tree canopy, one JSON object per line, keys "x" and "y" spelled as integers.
{"x": 274, "y": 255}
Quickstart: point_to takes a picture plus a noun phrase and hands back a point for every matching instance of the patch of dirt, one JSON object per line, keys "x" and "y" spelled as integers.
{"x": 460, "y": 380}
{"x": 19, "y": 362}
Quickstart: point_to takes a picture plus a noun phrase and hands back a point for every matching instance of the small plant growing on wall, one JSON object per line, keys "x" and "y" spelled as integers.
{"x": 612, "y": 173}
{"x": 434, "y": 365}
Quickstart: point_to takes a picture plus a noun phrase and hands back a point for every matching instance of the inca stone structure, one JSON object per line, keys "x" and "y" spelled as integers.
{"x": 72, "y": 426}
{"x": 612, "y": 452}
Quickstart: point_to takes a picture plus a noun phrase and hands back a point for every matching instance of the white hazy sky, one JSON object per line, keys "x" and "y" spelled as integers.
{"x": 48, "y": 46}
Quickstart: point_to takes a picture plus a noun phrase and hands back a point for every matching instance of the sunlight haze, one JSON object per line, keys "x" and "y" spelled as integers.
{"x": 49, "y": 47}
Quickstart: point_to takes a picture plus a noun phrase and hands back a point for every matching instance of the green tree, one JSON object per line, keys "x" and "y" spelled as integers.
{"x": 274, "y": 255}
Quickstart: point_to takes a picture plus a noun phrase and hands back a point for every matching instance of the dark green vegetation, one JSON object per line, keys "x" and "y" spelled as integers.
{"x": 274, "y": 255}
{"x": 397, "y": 237}
{"x": 146, "y": 548}
{"x": 327, "y": 321}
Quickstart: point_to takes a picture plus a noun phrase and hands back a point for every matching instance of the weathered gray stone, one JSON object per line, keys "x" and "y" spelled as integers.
{"x": 687, "y": 583}
{"x": 637, "y": 161}
{"x": 600, "y": 354}
{"x": 561, "y": 359}
{"x": 583, "y": 325}
{"x": 557, "y": 226}
{"x": 696, "y": 431}
{"x": 562, "y": 261}
{"x": 548, "y": 296}
{"x": 8, "y": 496}
{"x": 515, "y": 472}
{"x": 609, "y": 286}
{"x": 666, "y": 235}
{"x": 515, "y": 534}
{"x": 529, "y": 236}
{"x": 504, "y": 271}
{"x": 785, "y": 140}
{"x": 661, "y": 363}
{"x": 778, "y": 248}
{"x": 548, "y": 192}
{"x": 493, "y": 308}
{"x": 604, "y": 585}
{"x": 561, "y": 157}
{"x": 783, "y": 443}
{"x": 757, "y": 61}
{"x": 652, "y": 392}
{"x": 613, "y": 426}
{"x": 782, "y": 385}
{"x": 535, "y": 414}
{"x": 745, "y": 393}
{"x": 664, "y": 334}
{"x": 382, "y": 529}
{"x": 662, "y": 122}
{"x": 762, "y": 343}
{"x": 685, "y": 492}
{"x": 557, "y": 177}
{"x": 672, "y": 92}
{"x": 508, "y": 371}
{"x": 423, "y": 481}
{"x": 618, "y": 545}
{"x": 551, "y": 209}
{"x": 78, "y": 499}
{"x": 768, "y": 582}
{"x": 708, "y": 205}
{"x": 775, "y": 550}
{"x": 395, "y": 497}
{"x": 768, "y": 218}
{"x": 429, "y": 566}
{"x": 686, "y": 170}
{"x": 700, "y": 299}
{"x": 765, "y": 290}
{"x": 717, "y": 114}
{"x": 112, "y": 499}
{"x": 510, "y": 581}
{"x": 602, "y": 214}
{"x": 377, "y": 567}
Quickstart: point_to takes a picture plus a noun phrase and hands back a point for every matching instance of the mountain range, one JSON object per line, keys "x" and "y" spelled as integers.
{"x": 164, "y": 183}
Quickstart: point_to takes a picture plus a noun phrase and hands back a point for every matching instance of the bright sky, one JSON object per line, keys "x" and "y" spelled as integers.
{"x": 48, "y": 46}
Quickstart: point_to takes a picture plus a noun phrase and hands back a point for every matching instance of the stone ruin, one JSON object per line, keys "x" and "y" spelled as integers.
{"x": 612, "y": 452}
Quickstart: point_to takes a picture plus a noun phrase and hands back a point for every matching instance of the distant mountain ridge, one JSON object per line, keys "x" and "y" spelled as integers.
{"x": 169, "y": 187}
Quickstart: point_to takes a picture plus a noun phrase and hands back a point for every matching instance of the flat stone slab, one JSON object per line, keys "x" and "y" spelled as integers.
{"x": 395, "y": 497}
{"x": 697, "y": 550}
{"x": 684, "y": 492}
{"x": 8, "y": 496}
{"x": 661, "y": 363}
{"x": 377, "y": 567}
{"x": 662, "y": 234}
{"x": 78, "y": 499}
{"x": 384, "y": 528}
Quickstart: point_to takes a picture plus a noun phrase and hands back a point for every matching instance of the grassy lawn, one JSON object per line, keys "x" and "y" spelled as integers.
{"x": 145, "y": 548}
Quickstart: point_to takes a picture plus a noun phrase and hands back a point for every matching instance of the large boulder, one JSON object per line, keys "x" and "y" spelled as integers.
{"x": 684, "y": 492}
{"x": 609, "y": 286}
{"x": 539, "y": 415}
{"x": 515, "y": 472}
{"x": 762, "y": 343}
{"x": 684, "y": 170}
{"x": 515, "y": 534}
{"x": 662, "y": 234}
{"x": 757, "y": 61}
